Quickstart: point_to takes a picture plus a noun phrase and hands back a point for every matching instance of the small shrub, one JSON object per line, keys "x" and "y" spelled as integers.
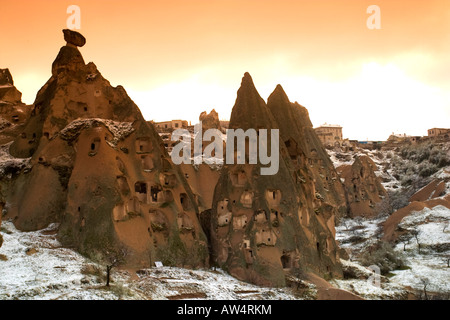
{"x": 120, "y": 290}
{"x": 93, "y": 270}
{"x": 398, "y": 199}
{"x": 427, "y": 169}
{"x": 385, "y": 257}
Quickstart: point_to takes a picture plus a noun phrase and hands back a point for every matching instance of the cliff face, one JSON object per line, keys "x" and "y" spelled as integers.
{"x": 262, "y": 225}
{"x": 86, "y": 159}
{"x": 13, "y": 113}
{"x": 308, "y": 158}
{"x": 101, "y": 171}
{"x": 364, "y": 189}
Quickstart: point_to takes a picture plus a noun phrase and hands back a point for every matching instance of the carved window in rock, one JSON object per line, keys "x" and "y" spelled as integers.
{"x": 239, "y": 222}
{"x": 286, "y": 261}
{"x": 222, "y": 206}
{"x": 260, "y": 216}
{"x": 156, "y": 194}
{"x": 95, "y": 146}
{"x": 185, "y": 201}
{"x": 247, "y": 199}
{"x": 143, "y": 145}
{"x": 238, "y": 178}
{"x": 273, "y": 197}
{"x": 185, "y": 223}
{"x": 140, "y": 189}
{"x": 223, "y": 214}
{"x": 223, "y": 219}
{"x": 241, "y": 178}
{"x": 168, "y": 180}
{"x": 265, "y": 237}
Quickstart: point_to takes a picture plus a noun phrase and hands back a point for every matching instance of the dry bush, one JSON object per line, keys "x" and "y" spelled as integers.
{"x": 384, "y": 256}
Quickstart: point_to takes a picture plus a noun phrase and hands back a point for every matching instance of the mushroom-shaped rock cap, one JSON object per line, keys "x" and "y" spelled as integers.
{"x": 74, "y": 37}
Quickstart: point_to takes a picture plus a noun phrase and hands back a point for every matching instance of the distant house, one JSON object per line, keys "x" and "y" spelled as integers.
{"x": 435, "y": 132}
{"x": 171, "y": 125}
{"x": 329, "y": 134}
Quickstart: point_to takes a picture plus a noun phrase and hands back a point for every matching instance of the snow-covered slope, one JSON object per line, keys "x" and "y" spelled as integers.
{"x": 430, "y": 265}
{"x": 33, "y": 265}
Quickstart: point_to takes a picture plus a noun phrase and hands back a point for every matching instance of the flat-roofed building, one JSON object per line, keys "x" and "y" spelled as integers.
{"x": 329, "y": 134}
{"x": 435, "y": 132}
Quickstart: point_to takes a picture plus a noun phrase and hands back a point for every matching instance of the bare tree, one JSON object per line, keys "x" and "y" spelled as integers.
{"x": 345, "y": 223}
{"x": 114, "y": 257}
{"x": 405, "y": 240}
{"x": 415, "y": 233}
{"x": 359, "y": 221}
{"x": 425, "y": 282}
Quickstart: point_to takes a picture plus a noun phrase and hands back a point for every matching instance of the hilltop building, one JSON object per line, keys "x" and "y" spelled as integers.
{"x": 329, "y": 134}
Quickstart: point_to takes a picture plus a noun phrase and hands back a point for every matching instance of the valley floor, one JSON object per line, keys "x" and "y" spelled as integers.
{"x": 33, "y": 265}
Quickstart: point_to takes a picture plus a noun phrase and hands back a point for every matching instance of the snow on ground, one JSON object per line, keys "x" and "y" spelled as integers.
{"x": 50, "y": 271}
{"x": 358, "y": 234}
{"x": 430, "y": 265}
{"x": 374, "y": 287}
{"x": 169, "y": 282}
{"x": 119, "y": 130}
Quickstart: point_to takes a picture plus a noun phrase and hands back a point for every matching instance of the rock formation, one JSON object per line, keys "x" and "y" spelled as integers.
{"x": 309, "y": 159}
{"x": 8, "y": 93}
{"x": 13, "y": 113}
{"x": 262, "y": 225}
{"x": 364, "y": 189}
{"x": 435, "y": 189}
{"x": 101, "y": 171}
{"x": 210, "y": 120}
{"x": 74, "y": 38}
{"x": 85, "y": 158}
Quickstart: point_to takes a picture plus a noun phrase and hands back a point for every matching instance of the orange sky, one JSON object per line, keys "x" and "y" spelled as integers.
{"x": 178, "y": 58}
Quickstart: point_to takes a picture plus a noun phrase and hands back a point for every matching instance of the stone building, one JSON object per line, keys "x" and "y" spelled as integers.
{"x": 329, "y": 134}
{"x": 171, "y": 125}
{"x": 435, "y": 132}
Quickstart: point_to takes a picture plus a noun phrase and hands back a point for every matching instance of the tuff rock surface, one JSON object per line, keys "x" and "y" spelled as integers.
{"x": 100, "y": 170}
